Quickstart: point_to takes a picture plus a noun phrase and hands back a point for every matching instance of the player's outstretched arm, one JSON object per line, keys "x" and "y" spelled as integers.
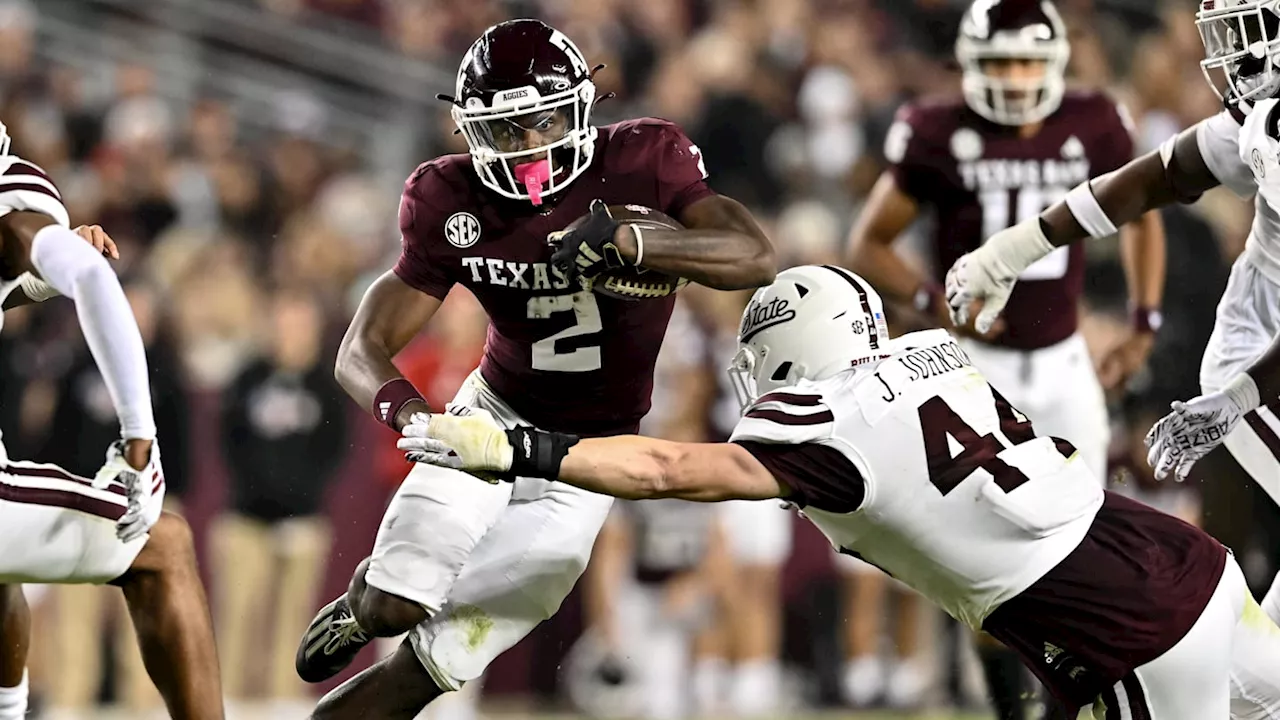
{"x": 390, "y": 315}
{"x": 630, "y": 466}
{"x": 33, "y": 242}
{"x": 626, "y": 466}
{"x": 1174, "y": 173}
{"x": 722, "y": 246}
{"x": 1177, "y": 172}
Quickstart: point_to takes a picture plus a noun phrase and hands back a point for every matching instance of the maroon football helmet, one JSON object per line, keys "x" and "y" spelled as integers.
{"x": 995, "y": 30}
{"x": 522, "y": 79}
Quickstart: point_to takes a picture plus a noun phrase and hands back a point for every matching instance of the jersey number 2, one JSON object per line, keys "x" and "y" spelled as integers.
{"x": 938, "y": 422}
{"x": 586, "y": 314}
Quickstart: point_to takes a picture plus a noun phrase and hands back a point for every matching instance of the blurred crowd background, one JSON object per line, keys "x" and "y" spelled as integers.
{"x": 247, "y": 156}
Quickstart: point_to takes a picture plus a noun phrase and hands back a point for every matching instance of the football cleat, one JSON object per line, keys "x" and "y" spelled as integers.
{"x": 331, "y": 642}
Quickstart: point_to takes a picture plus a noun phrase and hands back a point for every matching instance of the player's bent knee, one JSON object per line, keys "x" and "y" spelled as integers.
{"x": 382, "y": 614}
{"x": 170, "y": 546}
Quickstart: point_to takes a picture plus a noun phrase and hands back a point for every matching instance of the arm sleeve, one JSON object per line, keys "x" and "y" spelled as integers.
{"x": 76, "y": 270}
{"x": 681, "y": 172}
{"x": 818, "y": 475}
{"x": 416, "y": 267}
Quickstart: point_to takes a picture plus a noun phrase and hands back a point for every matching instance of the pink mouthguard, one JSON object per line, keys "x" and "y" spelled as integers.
{"x": 532, "y": 175}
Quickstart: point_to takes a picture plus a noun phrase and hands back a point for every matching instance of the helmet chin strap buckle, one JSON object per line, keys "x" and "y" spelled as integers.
{"x": 532, "y": 175}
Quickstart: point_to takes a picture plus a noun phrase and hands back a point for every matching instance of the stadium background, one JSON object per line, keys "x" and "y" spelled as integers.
{"x": 247, "y": 156}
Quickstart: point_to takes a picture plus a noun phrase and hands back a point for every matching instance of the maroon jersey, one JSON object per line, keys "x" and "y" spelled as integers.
{"x": 564, "y": 358}
{"x": 980, "y": 178}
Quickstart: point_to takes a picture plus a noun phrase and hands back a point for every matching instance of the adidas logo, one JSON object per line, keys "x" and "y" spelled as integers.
{"x": 1051, "y": 653}
{"x": 383, "y": 409}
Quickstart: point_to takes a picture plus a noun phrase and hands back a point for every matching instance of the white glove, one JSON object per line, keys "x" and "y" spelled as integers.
{"x": 144, "y": 490}
{"x": 462, "y": 438}
{"x": 989, "y": 273}
{"x": 1198, "y": 426}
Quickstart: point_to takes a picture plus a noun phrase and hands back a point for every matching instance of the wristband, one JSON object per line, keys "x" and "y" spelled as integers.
{"x": 1086, "y": 210}
{"x": 536, "y": 453}
{"x": 1243, "y": 391}
{"x": 1146, "y": 320}
{"x": 391, "y": 399}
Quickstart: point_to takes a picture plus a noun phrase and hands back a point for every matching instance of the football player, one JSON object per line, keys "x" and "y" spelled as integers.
{"x": 1235, "y": 148}
{"x": 56, "y": 527}
{"x": 1014, "y": 143}
{"x": 903, "y": 454}
{"x": 469, "y": 569}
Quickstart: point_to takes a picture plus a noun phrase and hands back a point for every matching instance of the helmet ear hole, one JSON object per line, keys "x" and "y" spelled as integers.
{"x": 781, "y": 373}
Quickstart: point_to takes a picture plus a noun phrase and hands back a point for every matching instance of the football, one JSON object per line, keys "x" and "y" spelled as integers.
{"x": 636, "y": 283}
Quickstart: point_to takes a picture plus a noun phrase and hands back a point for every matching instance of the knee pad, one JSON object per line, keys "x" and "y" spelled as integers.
{"x": 453, "y": 645}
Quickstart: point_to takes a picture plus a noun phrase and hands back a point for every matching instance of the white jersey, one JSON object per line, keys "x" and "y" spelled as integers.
{"x": 1245, "y": 158}
{"x": 24, "y": 186}
{"x": 962, "y": 501}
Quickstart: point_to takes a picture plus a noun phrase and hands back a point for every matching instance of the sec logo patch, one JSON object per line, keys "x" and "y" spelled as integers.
{"x": 462, "y": 229}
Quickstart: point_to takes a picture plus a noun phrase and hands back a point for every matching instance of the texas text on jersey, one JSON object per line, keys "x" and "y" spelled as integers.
{"x": 980, "y": 178}
{"x": 561, "y": 356}
{"x": 876, "y": 457}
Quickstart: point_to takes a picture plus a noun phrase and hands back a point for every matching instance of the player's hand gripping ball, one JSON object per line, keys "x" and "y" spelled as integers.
{"x": 586, "y": 249}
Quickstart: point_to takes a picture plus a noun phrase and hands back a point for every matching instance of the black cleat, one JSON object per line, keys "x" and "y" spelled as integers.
{"x": 331, "y": 642}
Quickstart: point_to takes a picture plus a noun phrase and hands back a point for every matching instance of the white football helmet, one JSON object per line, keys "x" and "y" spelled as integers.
{"x": 811, "y": 323}
{"x": 1241, "y": 47}
{"x": 1013, "y": 29}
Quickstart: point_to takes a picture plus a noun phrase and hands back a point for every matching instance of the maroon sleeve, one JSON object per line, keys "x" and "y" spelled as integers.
{"x": 1115, "y": 142}
{"x": 418, "y": 233}
{"x": 912, "y": 162}
{"x": 817, "y": 475}
{"x": 681, "y": 173}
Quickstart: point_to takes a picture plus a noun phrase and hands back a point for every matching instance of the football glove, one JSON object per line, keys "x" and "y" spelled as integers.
{"x": 144, "y": 490}
{"x": 588, "y": 249}
{"x": 462, "y": 438}
{"x": 471, "y": 440}
{"x": 1194, "y": 428}
{"x": 989, "y": 273}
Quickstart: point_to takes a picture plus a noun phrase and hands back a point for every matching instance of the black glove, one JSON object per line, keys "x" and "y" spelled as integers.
{"x": 588, "y": 249}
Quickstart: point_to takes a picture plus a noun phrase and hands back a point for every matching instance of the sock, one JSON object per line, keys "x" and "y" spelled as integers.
{"x": 754, "y": 691}
{"x": 13, "y": 701}
{"x": 863, "y": 680}
{"x": 710, "y": 675}
{"x": 1005, "y": 681}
